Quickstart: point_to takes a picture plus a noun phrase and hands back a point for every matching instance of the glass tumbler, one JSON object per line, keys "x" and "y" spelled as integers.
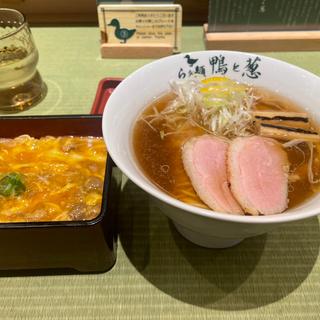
{"x": 21, "y": 85}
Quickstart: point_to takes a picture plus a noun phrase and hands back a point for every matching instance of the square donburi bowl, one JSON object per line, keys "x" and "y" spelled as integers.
{"x": 60, "y": 246}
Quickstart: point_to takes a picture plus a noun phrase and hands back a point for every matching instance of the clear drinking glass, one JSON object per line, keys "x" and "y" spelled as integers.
{"x": 21, "y": 85}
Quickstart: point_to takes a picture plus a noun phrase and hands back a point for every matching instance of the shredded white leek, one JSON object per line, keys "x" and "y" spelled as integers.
{"x": 310, "y": 163}
{"x": 218, "y": 105}
{"x": 294, "y": 143}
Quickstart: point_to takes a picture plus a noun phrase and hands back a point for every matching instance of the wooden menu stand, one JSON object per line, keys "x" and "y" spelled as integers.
{"x": 139, "y": 30}
{"x": 151, "y": 50}
{"x": 262, "y": 40}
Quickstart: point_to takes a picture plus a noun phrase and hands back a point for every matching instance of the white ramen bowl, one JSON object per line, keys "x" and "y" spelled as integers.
{"x": 201, "y": 226}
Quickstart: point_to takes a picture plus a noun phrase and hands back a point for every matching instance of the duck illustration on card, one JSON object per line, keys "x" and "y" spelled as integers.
{"x": 123, "y": 34}
{"x": 140, "y": 30}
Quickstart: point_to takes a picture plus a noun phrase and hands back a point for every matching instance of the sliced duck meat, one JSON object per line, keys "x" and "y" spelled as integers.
{"x": 258, "y": 168}
{"x": 205, "y": 161}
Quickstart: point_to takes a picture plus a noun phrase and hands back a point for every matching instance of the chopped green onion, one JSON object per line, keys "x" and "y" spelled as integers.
{"x": 11, "y": 184}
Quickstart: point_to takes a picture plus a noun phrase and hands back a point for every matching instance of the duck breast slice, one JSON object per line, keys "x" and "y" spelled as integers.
{"x": 205, "y": 161}
{"x": 258, "y": 174}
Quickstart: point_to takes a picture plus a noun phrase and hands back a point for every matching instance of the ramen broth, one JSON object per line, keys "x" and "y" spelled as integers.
{"x": 158, "y": 151}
